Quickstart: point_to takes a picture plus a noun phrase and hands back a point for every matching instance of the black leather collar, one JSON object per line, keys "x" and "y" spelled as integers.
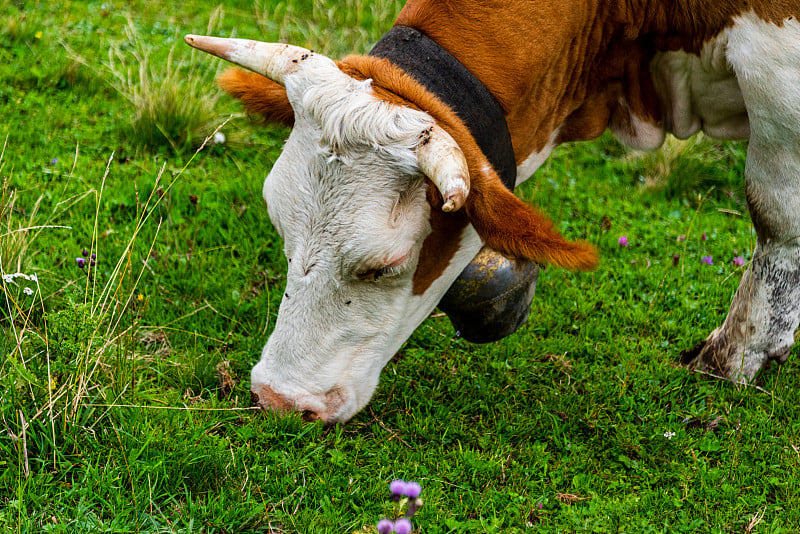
{"x": 451, "y": 82}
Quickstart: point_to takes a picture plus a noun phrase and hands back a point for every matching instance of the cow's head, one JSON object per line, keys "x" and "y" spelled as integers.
{"x": 371, "y": 245}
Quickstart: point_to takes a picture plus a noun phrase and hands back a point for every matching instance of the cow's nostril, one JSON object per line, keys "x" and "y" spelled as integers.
{"x": 310, "y": 415}
{"x": 266, "y": 398}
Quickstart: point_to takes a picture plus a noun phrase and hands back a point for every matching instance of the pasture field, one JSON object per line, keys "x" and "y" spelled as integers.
{"x": 124, "y": 384}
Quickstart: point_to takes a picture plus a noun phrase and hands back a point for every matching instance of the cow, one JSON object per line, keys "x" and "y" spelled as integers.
{"x": 395, "y": 175}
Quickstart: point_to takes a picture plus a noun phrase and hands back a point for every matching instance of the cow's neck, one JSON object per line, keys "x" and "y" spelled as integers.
{"x": 452, "y": 83}
{"x": 565, "y": 70}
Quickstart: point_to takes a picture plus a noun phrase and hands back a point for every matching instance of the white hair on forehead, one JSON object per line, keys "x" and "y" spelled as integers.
{"x": 352, "y": 117}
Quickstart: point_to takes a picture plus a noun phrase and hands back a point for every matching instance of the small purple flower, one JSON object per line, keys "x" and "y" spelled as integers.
{"x": 623, "y": 241}
{"x": 385, "y": 526}
{"x": 707, "y": 260}
{"x": 85, "y": 253}
{"x": 397, "y": 487}
{"x": 705, "y": 237}
{"x": 412, "y": 490}
{"x": 539, "y": 505}
{"x": 738, "y": 261}
{"x": 53, "y": 161}
{"x": 81, "y": 262}
{"x": 402, "y": 526}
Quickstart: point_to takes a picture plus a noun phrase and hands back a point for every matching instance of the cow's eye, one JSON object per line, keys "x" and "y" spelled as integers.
{"x": 373, "y": 275}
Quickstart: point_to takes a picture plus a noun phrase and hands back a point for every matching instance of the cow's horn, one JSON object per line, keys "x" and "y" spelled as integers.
{"x": 273, "y": 60}
{"x": 441, "y": 160}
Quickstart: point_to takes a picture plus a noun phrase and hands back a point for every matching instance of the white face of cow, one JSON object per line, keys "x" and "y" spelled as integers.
{"x": 349, "y": 197}
{"x": 349, "y": 200}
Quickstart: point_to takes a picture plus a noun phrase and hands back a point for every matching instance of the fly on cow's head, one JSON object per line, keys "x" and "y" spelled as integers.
{"x": 350, "y": 197}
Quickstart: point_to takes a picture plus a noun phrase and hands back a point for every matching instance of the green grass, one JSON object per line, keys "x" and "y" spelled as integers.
{"x": 114, "y": 370}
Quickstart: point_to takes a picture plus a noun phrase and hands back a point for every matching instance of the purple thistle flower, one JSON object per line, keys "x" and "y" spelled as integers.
{"x": 81, "y": 262}
{"x": 402, "y": 526}
{"x": 623, "y": 241}
{"x": 705, "y": 237}
{"x": 412, "y": 490}
{"x": 385, "y": 526}
{"x": 738, "y": 261}
{"x": 397, "y": 487}
{"x": 85, "y": 253}
{"x": 707, "y": 260}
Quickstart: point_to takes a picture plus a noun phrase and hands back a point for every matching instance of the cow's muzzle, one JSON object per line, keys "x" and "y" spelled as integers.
{"x": 268, "y": 399}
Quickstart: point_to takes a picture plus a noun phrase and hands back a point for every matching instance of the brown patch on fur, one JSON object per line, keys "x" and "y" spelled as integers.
{"x": 440, "y": 246}
{"x": 259, "y": 95}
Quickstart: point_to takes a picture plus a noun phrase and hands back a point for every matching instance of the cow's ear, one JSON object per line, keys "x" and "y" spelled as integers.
{"x": 508, "y": 225}
{"x": 260, "y": 96}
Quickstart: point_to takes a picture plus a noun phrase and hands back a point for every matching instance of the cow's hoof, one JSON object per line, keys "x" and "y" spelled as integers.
{"x": 716, "y": 356}
{"x": 491, "y": 298}
{"x": 713, "y": 357}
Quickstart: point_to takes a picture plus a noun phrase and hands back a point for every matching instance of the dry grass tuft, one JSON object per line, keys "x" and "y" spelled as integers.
{"x": 173, "y": 101}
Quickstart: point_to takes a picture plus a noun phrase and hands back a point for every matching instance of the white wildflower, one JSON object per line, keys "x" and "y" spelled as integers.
{"x": 219, "y": 138}
{"x": 9, "y": 277}
{"x": 669, "y": 435}
{"x": 28, "y": 291}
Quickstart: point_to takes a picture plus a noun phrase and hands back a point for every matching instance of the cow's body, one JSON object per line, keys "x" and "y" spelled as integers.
{"x": 562, "y": 70}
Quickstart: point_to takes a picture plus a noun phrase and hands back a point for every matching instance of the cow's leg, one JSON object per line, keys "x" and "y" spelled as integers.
{"x": 762, "y": 318}
{"x": 491, "y": 298}
{"x": 766, "y": 308}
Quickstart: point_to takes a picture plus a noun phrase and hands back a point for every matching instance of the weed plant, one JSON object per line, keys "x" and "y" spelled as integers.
{"x": 172, "y": 103}
{"x": 124, "y": 401}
